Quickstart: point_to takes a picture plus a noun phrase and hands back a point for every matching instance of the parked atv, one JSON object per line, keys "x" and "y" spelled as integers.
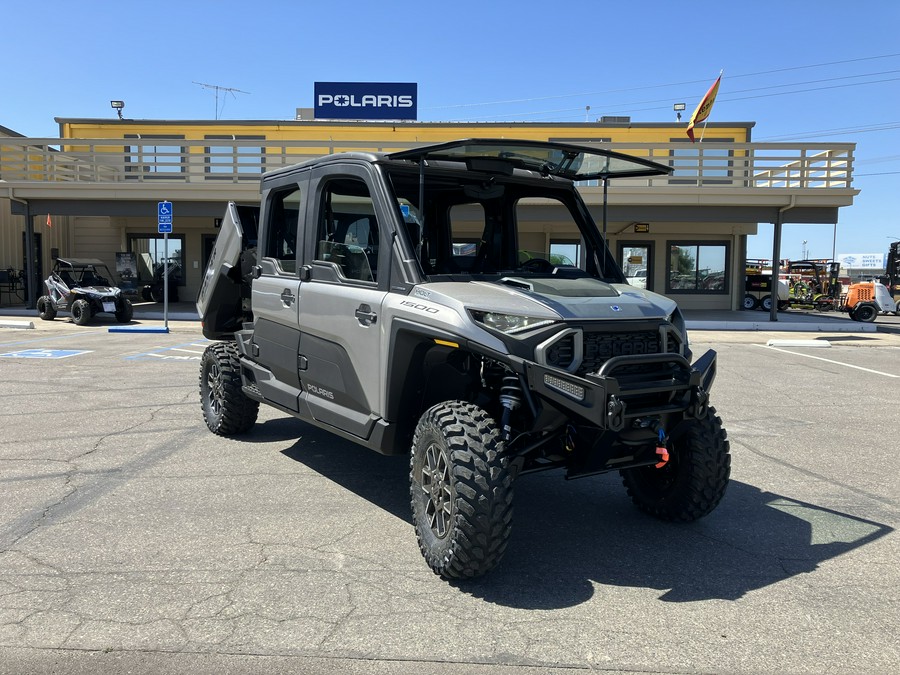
{"x": 82, "y": 286}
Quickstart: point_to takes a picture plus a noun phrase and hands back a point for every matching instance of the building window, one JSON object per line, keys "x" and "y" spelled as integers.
{"x": 234, "y": 161}
{"x": 154, "y": 160}
{"x": 697, "y": 267}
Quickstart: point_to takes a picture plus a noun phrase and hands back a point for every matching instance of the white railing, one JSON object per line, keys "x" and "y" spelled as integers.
{"x": 707, "y": 164}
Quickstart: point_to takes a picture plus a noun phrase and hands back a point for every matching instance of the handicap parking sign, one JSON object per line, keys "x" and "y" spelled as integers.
{"x": 164, "y": 213}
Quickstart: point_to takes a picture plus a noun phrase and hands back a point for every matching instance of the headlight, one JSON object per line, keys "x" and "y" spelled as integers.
{"x": 510, "y": 324}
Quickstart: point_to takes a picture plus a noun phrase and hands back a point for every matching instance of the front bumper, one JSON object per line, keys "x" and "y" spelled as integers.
{"x": 628, "y": 387}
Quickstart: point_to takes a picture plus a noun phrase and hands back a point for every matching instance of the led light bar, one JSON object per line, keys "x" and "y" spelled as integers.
{"x": 570, "y": 389}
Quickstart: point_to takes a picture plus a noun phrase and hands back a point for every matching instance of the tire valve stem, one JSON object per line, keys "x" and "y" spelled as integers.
{"x": 662, "y": 449}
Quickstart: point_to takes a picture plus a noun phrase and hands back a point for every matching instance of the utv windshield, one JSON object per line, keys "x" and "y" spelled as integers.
{"x": 491, "y": 226}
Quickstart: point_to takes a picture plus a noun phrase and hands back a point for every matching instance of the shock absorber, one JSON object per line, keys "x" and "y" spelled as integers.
{"x": 510, "y": 399}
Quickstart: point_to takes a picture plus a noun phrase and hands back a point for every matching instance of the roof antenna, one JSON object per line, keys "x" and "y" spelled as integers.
{"x": 225, "y": 90}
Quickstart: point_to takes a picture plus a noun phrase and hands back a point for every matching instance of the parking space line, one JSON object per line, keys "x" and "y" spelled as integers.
{"x": 164, "y": 353}
{"x": 45, "y": 339}
{"x": 819, "y": 358}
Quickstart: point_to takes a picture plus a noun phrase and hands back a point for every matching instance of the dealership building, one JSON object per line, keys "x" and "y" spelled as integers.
{"x": 94, "y": 190}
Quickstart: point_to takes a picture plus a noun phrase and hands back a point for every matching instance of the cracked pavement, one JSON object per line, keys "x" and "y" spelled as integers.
{"x": 133, "y": 539}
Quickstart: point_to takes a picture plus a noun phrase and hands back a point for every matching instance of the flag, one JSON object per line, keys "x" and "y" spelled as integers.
{"x": 705, "y": 107}
{"x": 49, "y": 222}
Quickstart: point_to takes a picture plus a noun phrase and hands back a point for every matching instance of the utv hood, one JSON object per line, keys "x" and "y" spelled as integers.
{"x": 557, "y": 298}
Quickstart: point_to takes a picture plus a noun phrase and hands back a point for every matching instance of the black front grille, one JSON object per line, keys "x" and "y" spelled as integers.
{"x": 599, "y": 346}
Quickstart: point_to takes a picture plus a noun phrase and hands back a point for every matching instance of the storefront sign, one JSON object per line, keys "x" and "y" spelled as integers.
{"x": 868, "y": 261}
{"x": 366, "y": 100}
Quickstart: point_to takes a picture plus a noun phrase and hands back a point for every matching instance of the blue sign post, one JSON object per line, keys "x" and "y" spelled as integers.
{"x": 165, "y": 214}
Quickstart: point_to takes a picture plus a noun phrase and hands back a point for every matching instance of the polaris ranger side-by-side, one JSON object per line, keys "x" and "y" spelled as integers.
{"x": 397, "y": 300}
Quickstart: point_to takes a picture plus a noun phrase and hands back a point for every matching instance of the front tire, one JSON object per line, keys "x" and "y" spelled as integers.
{"x": 750, "y": 303}
{"x": 767, "y": 303}
{"x": 460, "y": 490}
{"x": 693, "y": 481}
{"x": 46, "y": 308}
{"x": 81, "y": 312}
{"x": 125, "y": 311}
{"x": 227, "y": 411}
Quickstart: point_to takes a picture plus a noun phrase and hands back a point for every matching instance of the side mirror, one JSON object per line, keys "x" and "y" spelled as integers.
{"x": 256, "y": 271}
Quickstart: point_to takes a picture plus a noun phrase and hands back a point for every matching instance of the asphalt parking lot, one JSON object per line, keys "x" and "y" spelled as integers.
{"x": 133, "y": 540}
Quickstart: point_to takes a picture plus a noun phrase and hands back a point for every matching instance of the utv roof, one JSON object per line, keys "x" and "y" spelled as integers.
{"x": 574, "y": 162}
{"x": 80, "y": 262}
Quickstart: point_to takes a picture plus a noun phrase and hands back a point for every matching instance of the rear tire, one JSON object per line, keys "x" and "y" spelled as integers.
{"x": 227, "y": 411}
{"x": 46, "y": 309}
{"x": 866, "y": 313}
{"x": 460, "y": 490}
{"x": 125, "y": 311}
{"x": 694, "y": 480}
{"x": 750, "y": 302}
{"x": 767, "y": 303}
{"x": 81, "y": 312}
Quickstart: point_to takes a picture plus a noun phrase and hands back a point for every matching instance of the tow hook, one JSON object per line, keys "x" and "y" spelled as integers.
{"x": 662, "y": 450}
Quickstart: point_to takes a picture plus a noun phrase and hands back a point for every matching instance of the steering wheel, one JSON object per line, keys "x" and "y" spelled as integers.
{"x": 537, "y": 265}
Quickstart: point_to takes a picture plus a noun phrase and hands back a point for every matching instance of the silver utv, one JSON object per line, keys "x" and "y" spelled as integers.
{"x": 84, "y": 288}
{"x": 401, "y": 301}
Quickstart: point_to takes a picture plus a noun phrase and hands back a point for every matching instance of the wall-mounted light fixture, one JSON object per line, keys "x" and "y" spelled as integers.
{"x": 117, "y": 106}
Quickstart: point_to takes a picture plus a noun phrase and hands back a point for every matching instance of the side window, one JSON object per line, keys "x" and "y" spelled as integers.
{"x": 281, "y": 231}
{"x": 348, "y": 229}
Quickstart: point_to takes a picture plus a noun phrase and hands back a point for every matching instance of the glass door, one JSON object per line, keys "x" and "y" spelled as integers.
{"x": 636, "y": 260}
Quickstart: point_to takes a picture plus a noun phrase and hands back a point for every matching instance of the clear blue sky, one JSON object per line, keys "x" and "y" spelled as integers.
{"x": 803, "y": 71}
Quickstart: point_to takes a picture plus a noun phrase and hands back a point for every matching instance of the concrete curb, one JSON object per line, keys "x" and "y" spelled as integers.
{"x": 16, "y": 324}
{"x": 787, "y": 326}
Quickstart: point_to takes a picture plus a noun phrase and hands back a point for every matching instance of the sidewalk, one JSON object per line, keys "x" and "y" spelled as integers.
{"x": 789, "y": 321}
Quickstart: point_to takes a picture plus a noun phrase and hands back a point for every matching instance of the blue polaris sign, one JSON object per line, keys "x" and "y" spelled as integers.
{"x": 366, "y": 100}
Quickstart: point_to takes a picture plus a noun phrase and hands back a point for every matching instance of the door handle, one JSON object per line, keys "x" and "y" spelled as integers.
{"x": 365, "y": 315}
{"x": 287, "y": 297}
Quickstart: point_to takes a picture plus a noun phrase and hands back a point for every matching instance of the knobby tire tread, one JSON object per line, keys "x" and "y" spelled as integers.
{"x": 239, "y": 412}
{"x": 482, "y": 519}
{"x": 699, "y": 479}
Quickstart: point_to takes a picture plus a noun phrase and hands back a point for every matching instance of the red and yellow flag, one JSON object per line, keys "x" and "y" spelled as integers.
{"x": 705, "y": 107}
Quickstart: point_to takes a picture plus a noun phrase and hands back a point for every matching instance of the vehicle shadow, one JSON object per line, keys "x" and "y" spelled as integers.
{"x": 571, "y": 537}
